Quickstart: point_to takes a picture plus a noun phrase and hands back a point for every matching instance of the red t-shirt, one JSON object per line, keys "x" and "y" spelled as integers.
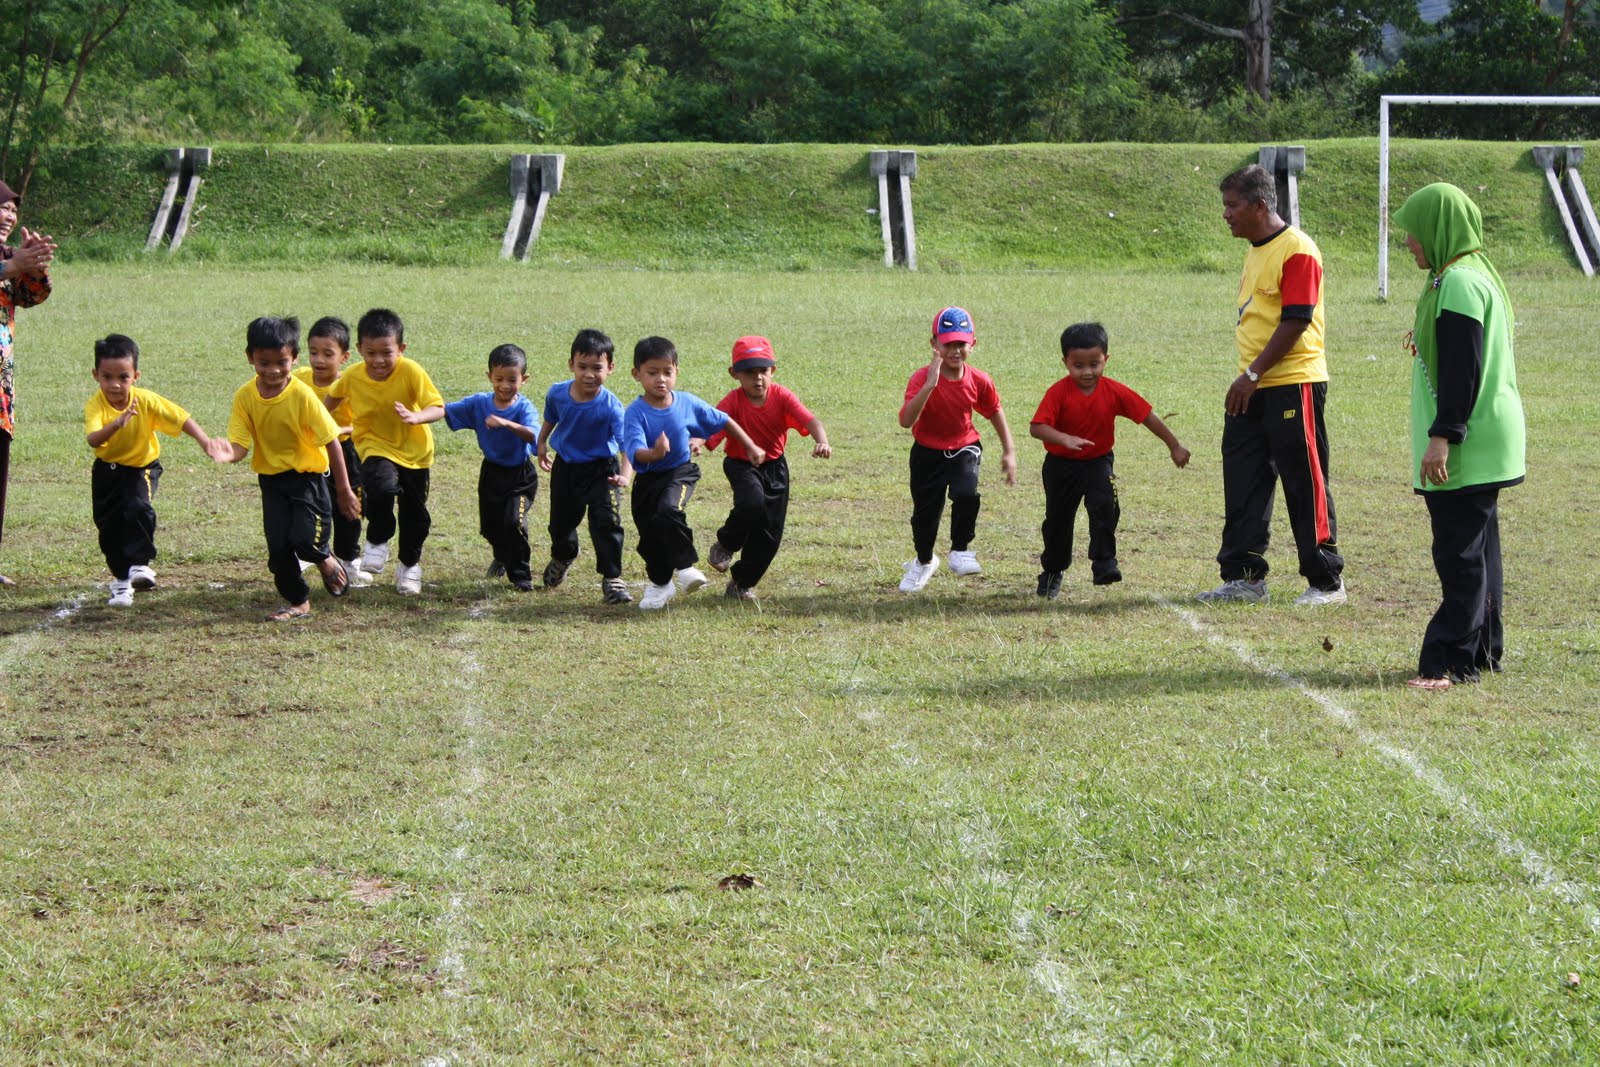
{"x": 767, "y": 425}
{"x": 1091, "y": 416}
{"x": 946, "y": 420}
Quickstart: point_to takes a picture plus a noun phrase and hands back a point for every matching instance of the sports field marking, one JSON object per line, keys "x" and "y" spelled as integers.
{"x": 17, "y": 644}
{"x": 1539, "y": 870}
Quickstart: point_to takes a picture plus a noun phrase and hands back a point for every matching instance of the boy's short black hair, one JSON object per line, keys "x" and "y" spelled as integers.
{"x": 333, "y": 328}
{"x": 116, "y": 346}
{"x": 1252, "y": 183}
{"x": 654, "y": 348}
{"x": 508, "y": 356}
{"x": 594, "y": 343}
{"x": 1084, "y": 335}
{"x": 380, "y": 322}
{"x": 273, "y": 333}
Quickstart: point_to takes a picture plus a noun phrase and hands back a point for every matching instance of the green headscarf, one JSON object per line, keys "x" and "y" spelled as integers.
{"x": 1449, "y": 226}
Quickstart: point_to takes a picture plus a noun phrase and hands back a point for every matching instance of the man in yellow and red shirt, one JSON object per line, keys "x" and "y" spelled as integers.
{"x": 1274, "y": 429}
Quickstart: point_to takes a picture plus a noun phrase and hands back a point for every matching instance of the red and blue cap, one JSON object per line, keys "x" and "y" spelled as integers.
{"x": 753, "y": 353}
{"x": 953, "y": 324}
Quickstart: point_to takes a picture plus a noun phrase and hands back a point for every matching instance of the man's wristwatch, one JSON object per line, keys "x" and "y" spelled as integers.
{"x": 1252, "y": 375}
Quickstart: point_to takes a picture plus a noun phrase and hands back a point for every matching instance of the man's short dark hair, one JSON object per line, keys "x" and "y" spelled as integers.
{"x": 1250, "y": 184}
{"x": 116, "y": 346}
{"x": 333, "y": 328}
{"x": 1084, "y": 335}
{"x": 594, "y": 343}
{"x": 508, "y": 356}
{"x": 380, "y": 322}
{"x": 273, "y": 333}
{"x": 654, "y": 348}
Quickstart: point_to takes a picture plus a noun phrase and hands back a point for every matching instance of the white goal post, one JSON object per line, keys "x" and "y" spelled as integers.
{"x": 1383, "y": 153}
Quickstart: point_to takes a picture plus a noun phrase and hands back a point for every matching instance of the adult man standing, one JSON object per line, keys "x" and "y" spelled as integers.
{"x": 1273, "y": 430}
{"x": 24, "y": 282}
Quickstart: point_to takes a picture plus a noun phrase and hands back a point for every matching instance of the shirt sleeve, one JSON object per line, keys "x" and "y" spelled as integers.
{"x": 1460, "y": 345}
{"x": 1130, "y": 405}
{"x": 616, "y": 425}
{"x": 798, "y": 415}
{"x": 423, "y": 392}
{"x": 319, "y": 421}
{"x": 988, "y": 399}
{"x": 1049, "y": 408}
{"x": 705, "y": 419}
{"x": 551, "y": 415}
{"x": 240, "y": 432}
{"x": 725, "y": 405}
{"x": 528, "y": 414}
{"x": 633, "y": 433}
{"x": 340, "y": 386}
{"x": 1300, "y": 286}
{"x": 918, "y": 379}
{"x": 167, "y": 417}
{"x": 462, "y": 414}
{"x": 94, "y": 417}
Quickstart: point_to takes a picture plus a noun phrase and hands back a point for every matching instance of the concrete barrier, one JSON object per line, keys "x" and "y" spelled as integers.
{"x": 534, "y": 180}
{"x": 894, "y": 171}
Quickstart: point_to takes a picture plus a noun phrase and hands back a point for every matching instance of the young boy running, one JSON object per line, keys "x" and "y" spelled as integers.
{"x": 945, "y": 452}
{"x": 1076, "y": 421}
{"x": 327, "y": 351}
{"x": 583, "y": 424}
{"x": 121, "y": 423}
{"x": 661, "y": 431}
{"x": 768, "y": 412}
{"x": 507, "y": 426}
{"x": 392, "y": 400}
{"x": 293, "y": 444}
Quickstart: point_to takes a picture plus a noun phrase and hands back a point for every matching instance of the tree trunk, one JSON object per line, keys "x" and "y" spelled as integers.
{"x": 20, "y": 87}
{"x": 1258, "y": 49}
{"x": 1569, "y": 18}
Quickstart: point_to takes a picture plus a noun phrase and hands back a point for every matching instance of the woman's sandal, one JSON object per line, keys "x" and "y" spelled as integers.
{"x": 287, "y": 615}
{"x": 339, "y": 586}
{"x": 1430, "y": 685}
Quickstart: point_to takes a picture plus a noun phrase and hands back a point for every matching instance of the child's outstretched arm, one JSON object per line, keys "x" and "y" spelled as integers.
{"x": 655, "y": 451}
{"x": 225, "y": 451}
{"x": 344, "y": 498}
{"x": 821, "y": 450}
{"x": 756, "y": 456}
{"x": 1008, "y": 447}
{"x": 624, "y": 474}
{"x": 431, "y": 413}
{"x": 193, "y": 429}
{"x": 543, "y": 444}
{"x": 104, "y": 433}
{"x": 1180, "y": 455}
{"x": 1043, "y": 431}
{"x": 911, "y": 410}
{"x": 495, "y": 422}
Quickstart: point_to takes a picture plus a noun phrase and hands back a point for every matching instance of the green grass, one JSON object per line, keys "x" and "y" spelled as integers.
{"x": 489, "y": 826}
{"x": 767, "y": 207}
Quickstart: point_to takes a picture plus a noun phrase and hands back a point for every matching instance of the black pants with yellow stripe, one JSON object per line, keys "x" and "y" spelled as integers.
{"x": 1281, "y": 437}
{"x": 505, "y": 496}
{"x": 665, "y": 540}
{"x": 124, "y": 514}
{"x": 297, "y": 517}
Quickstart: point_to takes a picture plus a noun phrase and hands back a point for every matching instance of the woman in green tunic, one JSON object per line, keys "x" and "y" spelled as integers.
{"x": 1466, "y": 429}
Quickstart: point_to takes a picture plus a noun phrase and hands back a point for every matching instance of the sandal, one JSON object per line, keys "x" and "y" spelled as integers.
{"x": 287, "y": 614}
{"x": 1429, "y": 685}
{"x": 338, "y": 584}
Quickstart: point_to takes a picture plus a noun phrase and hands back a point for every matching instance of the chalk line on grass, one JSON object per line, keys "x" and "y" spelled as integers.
{"x": 18, "y": 644}
{"x": 1540, "y": 870}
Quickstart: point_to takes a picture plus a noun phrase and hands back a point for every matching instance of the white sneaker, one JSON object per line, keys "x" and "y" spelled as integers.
{"x": 121, "y": 594}
{"x": 656, "y": 596}
{"x": 141, "y": 576}
{"x": 408, "y": 580}
{"x": 690, "y": 579}
{"x": 918, "y": 574}
{"x": 964, "y": 563}
{"x": 1314, "y": 597}
{"x": 373, "y": 557}
{"x": 1236, "y": 591}
{"x": 359, "y": 579}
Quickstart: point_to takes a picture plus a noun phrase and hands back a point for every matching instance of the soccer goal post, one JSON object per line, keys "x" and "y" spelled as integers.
{"x": 1383, "y": 151}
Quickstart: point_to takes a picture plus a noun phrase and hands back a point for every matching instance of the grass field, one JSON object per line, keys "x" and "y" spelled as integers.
{"x": 480, "y": 826}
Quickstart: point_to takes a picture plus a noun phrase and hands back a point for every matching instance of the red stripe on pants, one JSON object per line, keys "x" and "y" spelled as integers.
{"x": 1319, "y": 487}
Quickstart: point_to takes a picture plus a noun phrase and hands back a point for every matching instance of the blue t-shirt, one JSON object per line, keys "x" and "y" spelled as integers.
{"x": 687, "y": 417}
{"x": 584, "y": 430}
{"x": 499, "y": 445}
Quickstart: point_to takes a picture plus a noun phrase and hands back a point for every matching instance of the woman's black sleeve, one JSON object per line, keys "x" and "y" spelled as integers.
{"x": 1460, "y": 339}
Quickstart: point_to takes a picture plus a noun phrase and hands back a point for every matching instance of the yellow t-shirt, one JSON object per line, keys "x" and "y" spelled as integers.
{"x": 374, "y": 426}
{"x": 135, "y": 445}
{"x": 1283, "y": 273}
{"x": 341, "y": 414}
{"x": 289, "y": 432}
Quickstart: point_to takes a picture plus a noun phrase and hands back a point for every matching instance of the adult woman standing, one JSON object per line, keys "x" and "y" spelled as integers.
{"x": 1467, "y": 433}
{"x": 24, "y": 282}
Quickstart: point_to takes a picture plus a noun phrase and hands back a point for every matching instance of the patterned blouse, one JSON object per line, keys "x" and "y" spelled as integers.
{"x": 21, "y": 291}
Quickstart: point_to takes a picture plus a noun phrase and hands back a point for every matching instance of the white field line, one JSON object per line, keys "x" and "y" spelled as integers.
{"x": 455, "y": 974}
{"x": 17, "y": 645}
{"x": 1540, "y": 871}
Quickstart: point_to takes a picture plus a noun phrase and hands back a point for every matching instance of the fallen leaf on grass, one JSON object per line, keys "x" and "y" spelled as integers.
{"x": 373, "y": 891}
{"x": 1573, "y": 979}
{"x": 821, "y": 582}
{"x": 741, "y": 881}
{"x": 1327, "y": 645}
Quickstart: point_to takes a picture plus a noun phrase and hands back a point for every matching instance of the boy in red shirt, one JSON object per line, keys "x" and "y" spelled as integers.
{"x": 767, "y": 412}
{"x": 945, "y": 453}
{"x": 1076, "y": 421}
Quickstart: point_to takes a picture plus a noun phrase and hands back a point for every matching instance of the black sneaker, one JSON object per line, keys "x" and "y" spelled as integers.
{"x": 616, "y": 591}
{"x": 1109, "y": 574}
{"x": 555, "y": 572}
{"x": 1049, "y": 584}
{"x": 524, "y": 585}
{"x": 735, "y": 591}
{"x": 496, "y": 569}
{"x": 719, "y": 558}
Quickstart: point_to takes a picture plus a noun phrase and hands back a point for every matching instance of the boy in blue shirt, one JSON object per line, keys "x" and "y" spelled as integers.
{"x": 583, "y": 424}
{"x": 662, "y": 430}
{"x": 507, "y": 426}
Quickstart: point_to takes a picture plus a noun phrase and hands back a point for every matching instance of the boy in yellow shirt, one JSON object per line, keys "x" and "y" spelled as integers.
{"x": 392, "y": 400}
{"x": 296, "y": 448}
{"x": 327, "y": 351}
{"x": 121, "y": 423}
